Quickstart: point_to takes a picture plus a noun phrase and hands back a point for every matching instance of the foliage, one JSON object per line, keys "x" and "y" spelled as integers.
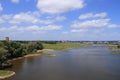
{"x": 3, "y": 57}
{"x": 14, "y": 49}
{"x": 33, "y": 47}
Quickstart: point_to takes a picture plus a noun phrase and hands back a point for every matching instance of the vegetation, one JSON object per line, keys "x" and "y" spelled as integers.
{"x": 63, "y": 46}
{"x": 4, "y": 73}
{"x": 13, "y": 49}
{"x": 114, "y": 47}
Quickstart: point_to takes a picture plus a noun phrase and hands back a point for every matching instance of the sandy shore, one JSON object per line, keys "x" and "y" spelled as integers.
{"x": 26, "y": 56}
{"x": 7, "y": 76}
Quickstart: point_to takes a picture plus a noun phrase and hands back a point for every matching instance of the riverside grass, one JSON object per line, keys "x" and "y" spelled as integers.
{"x": 63, "y": 46}
{"x": 114, "y": 48}
{"x": 4, "y": 72}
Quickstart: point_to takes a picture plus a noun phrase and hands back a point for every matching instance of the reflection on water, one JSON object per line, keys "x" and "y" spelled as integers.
{"x": 89, "y": 63}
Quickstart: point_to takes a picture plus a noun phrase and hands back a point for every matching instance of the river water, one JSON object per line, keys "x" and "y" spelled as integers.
{"x": 90, "y": 63}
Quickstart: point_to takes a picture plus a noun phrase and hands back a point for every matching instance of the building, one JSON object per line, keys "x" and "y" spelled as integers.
{"x": 7, "y": 38}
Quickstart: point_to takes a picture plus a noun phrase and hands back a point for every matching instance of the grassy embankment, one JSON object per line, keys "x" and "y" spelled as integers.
{"x": 63, "y": 46}
{"x": 114, "y": 48}
{"x": 5, "y": 74}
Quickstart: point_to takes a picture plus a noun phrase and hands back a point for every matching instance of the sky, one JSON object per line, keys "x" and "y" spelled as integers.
{"x": 75, "y": 20}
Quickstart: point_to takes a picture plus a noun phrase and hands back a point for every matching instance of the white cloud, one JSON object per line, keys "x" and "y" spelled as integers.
{"x": 98, "y": 23}
{"x": 34, "y": 18}
{"x": 1, "y": 20}
{"x": 78, "y": 30}
{"x": 59, "y": 6}
{"x": 51, "y": 27}
{"x": 1, "y": 8}
{"x": 27, "y": 17}
{"x": 4, "y": 18}
{"x": 60, "y": 18}
{"x": 15, "y": 1}
{"x": 113, "y": 26}
{"x": 31, "y": 28}
{"x": 91, "y": 15}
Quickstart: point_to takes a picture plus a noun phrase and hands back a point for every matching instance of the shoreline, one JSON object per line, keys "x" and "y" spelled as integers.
{"x": 12, "y": 73}
{"x": 38, "y": 53}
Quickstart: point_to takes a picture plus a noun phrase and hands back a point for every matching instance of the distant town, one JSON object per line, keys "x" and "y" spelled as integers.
{"x": 66, "y": 41}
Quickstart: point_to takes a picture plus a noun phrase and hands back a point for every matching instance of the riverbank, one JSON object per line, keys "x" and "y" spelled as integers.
{"x": 64, "y": 46}
{"x": 6, "y": 74}
{"x": 47, "y": 47}
{"x": 38, "y": 53}
{"x": 114, "y": 48}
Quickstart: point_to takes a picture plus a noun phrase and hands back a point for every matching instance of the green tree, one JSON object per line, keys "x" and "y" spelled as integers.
{"x": 32, "y": 47}
{"x": 3, "y": 58}
{"x": 15, "y": 49}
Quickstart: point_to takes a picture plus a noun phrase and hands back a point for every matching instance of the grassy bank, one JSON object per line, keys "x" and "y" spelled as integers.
{"x": 114, "y": 48}
{"x": 63, "y": 46}
{"x": 5, "y": 74}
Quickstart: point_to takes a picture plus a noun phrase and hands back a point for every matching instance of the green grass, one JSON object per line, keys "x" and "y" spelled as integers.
{"x": 63, "y": 46}
{"x": 4, "y": 73}
{"x": 114, "y": 48}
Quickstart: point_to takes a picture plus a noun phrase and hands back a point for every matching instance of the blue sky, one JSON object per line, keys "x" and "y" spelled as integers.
{"x": 60, "y": 19}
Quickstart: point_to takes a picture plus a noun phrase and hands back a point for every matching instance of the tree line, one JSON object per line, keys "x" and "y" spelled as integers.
{"x": 15, "y": 49}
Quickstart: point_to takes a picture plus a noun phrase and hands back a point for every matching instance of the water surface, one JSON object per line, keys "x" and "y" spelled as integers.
{"x": 89, "y": 63}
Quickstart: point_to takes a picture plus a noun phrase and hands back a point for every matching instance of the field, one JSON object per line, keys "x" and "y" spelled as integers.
{"x": 63, "y": 46}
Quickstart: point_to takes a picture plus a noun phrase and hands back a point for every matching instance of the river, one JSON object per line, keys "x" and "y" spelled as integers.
{"x": 89, "y": 63}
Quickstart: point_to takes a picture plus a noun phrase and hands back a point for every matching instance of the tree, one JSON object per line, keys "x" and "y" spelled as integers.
{"x": 32, "y": 47}
{"x": 15, "y": 49}
{"x": 3, "y": 58}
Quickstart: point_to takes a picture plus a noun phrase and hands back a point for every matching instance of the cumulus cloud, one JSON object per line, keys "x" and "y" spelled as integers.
{"x": 97, "y": 23}
{"x": 91, "y": 15}
{"x": 59, "y": 6}
{"x": 1, "y": 20}
{"x": 78, "y": 30}
{"x": 60, "y": 18}
{"x": 113, "y": 26}
{"x": 4, "y": 18}
{"x": 31, "y": 28}
{"x": 34, "y": 18}
{"x": 1, "y": 8}
{"x": 51, "y": 27}
{"x": 15, "y": 1}
{"x": 28, "y": 17}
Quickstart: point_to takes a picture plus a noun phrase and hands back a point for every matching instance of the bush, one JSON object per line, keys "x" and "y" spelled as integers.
{"x": 33, "y": 47}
